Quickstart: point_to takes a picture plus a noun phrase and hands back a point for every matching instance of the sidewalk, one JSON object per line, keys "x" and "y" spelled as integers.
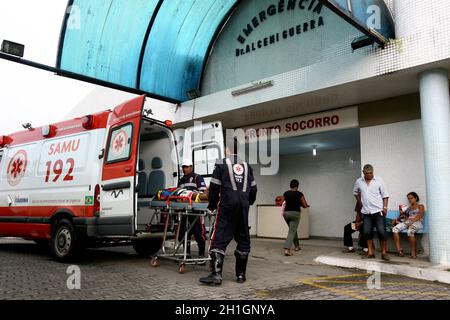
{"x": 420, "y": 268}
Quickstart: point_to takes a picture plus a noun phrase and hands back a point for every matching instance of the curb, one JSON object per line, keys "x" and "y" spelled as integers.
{"x": 436, "y": 273}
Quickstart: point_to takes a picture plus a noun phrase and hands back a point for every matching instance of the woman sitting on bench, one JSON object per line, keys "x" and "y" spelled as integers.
{"x": 410, "y": 219}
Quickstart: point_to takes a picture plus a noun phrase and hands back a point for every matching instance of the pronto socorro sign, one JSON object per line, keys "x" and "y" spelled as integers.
{"x": 327, "y": 121}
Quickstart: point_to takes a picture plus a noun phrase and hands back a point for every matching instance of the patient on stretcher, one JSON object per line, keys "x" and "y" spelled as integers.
{"x": 180, "y": 195}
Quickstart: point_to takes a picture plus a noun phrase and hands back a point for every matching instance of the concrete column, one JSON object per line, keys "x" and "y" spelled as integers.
{"x": 435, "y": 105}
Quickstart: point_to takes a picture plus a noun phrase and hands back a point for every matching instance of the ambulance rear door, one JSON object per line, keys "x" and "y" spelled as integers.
{"x": 118, "y": 198}
{"x": 203, "y": 144}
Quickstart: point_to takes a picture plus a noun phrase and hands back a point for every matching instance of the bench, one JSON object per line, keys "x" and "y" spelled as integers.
{"x": 421, "y": 236}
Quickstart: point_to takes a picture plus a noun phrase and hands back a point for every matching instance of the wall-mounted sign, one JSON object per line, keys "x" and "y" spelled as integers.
{"x": 315, "y": 123}
{"x": 246, "y": 46}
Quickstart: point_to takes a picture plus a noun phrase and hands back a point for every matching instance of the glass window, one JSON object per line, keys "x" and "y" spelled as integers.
{"x": 205, "y": 160}
{"x": 119, "y": 147}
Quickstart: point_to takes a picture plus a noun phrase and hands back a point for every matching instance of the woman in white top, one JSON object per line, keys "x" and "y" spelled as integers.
{"x": 411, "y": 220}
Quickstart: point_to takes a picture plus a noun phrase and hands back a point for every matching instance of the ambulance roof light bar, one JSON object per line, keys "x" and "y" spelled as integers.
{"x": 5, "y": 140}
{"x": 88, "y": 122}
{"x": 48, "y": 131}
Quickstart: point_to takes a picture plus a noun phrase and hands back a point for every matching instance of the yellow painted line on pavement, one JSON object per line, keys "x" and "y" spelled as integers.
{"x": 338, "y": 277}
{"x": 262, "y": 293}
{"x": 383, "y": 283}
{"x": 312, "y": 282}
{"x": 321, "y": 281}
{"x": 336, "y": 291}
{"x": 404, "y": 292}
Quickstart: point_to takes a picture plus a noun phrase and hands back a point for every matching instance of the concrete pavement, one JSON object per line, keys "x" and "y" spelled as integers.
{"x": 27, "y": 271}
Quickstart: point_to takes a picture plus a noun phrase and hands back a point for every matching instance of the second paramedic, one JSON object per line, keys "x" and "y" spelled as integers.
{"x": 193, "y": 182}
{"x": 232, "y": 191}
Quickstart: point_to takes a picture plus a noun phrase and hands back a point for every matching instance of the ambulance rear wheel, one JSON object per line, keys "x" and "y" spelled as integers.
{"x": 147, "y": 247}
{"x": 63, "y": 242}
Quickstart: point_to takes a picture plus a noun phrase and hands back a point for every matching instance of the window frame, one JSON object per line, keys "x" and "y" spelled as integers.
{"x": 205, "y": 147}
{"x": 111, "y": 131}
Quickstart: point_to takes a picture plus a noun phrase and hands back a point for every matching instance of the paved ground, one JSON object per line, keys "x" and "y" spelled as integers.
{"x": 28, "y": 272}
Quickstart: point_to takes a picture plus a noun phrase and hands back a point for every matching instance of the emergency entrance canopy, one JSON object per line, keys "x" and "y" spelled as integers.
{"x": 160, "y": 47}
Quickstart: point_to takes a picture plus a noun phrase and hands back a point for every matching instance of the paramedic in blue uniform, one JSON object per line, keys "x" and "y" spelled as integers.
{"x": 232, "y": 191}
{"x": 193, "y": 182}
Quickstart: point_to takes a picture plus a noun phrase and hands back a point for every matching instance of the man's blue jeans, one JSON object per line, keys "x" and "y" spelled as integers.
{"x": 378, "y": 221}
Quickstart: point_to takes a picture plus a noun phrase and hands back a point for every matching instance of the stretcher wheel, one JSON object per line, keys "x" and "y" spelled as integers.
{"x": 154, "y": 262}
{"x": 181, "y": 268}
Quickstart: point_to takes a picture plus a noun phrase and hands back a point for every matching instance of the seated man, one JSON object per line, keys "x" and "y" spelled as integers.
{"x": 351, "y": 228}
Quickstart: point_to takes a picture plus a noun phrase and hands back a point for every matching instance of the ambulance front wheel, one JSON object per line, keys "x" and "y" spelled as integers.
{"x": 63, "y": 241}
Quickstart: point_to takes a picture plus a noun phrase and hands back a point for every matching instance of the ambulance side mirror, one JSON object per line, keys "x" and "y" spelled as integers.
{"x": 102, "y": 154}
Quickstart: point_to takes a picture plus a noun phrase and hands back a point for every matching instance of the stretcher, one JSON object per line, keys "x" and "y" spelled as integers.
{"x": 171, "y": 212}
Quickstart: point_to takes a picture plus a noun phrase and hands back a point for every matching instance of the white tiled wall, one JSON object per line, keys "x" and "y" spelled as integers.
{"x": 423, "y": 29}
{"x": 327, "y": 182}
{"x": 396, "y": 152}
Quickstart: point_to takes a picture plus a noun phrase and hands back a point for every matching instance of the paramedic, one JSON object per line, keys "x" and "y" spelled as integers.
{"x": 193, "y": 182}
{"x": 232, "y": 192}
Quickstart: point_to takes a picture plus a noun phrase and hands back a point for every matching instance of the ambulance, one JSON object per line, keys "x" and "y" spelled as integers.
{"x": 89, "y": 181}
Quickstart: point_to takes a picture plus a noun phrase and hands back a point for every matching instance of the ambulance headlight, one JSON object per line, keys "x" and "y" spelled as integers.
{"x": 48, "y": 131}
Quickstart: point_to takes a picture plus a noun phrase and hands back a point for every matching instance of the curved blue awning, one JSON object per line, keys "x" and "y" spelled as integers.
{"x": 160, "y": 47}
{"x": 157, "y": 47}
{"x": 372, "y": 17}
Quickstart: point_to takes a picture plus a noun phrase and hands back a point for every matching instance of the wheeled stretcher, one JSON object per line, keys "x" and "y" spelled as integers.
{"x": 171, "y": 212}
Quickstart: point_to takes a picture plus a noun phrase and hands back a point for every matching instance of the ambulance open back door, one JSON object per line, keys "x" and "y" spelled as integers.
{"x": 203, "y": 144}
{"x": 118, "y": 182}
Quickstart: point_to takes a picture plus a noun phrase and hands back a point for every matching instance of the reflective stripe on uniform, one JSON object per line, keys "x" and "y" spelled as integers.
{"x": 230, "y": 171}
{"x": 185, "y": 185}
{"x": 253, "y": 184}
{"x": 244, "y": 188}
{"x": 216, "y": 181}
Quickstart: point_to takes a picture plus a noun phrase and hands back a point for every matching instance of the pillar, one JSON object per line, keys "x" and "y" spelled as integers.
{"x": 435, "y": 106}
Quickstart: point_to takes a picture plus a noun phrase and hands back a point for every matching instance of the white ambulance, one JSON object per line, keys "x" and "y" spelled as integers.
{"x": 88, "y": 181}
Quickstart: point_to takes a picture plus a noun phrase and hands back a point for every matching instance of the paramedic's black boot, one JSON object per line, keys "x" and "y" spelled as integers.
{"x": 215, "y": 277}
{"x": 241, "y": 265}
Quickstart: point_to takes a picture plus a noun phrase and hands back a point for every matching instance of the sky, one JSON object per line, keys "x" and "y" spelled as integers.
{"x": 29, "y": 95}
